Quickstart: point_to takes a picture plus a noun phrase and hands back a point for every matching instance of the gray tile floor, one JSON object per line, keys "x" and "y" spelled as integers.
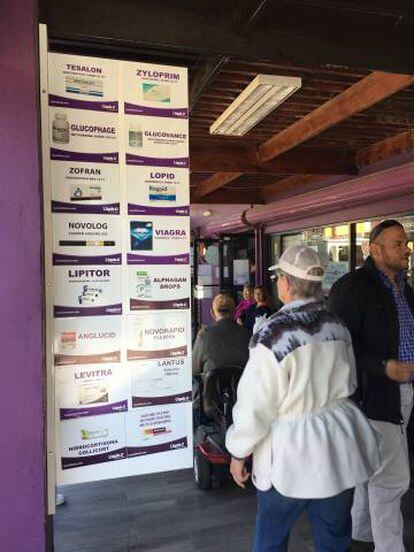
{"x": 167, "y": 513}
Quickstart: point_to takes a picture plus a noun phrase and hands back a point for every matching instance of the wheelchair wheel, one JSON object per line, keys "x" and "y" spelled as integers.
{"x": 220, "y": 476}
{"x": 202, "y": 470}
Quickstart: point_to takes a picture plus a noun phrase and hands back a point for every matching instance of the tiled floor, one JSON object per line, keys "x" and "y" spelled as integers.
{"x": 167, "y": 513}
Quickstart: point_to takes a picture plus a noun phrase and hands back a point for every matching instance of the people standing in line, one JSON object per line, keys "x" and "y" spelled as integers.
{"x": 311, "y": 445}
{"x": 224, "y": 342}
{"x": 245, "y": 303}
{"x": 259, "y": 309}
{"x": 377, "y": 305}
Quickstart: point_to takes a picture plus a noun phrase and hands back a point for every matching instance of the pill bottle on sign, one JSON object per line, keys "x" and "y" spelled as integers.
{"x": 135, "y": 136}
{"x": 60, "y": 129}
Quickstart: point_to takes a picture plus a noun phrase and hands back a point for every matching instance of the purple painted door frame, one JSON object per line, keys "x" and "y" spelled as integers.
{"x": 22, "y": 459}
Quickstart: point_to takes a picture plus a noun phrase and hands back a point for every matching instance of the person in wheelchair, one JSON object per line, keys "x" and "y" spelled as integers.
{"x": 222, "y": 343}
{"x": 219, "y": 355}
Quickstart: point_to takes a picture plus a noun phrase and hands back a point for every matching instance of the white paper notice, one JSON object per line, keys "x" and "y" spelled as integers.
{"x": 86, "y": 239}
{"x": 158, "y": 335}
{"x": 158, "y": 287}
{"x": 163, "y": 192}
{"x": 91, "y": 390}
{"x": 160, "y": 240}
{"x": 85, "y": 188}
{"x": 87, "y": 291}
{"x": 161, "y": 381}
{"x": 156, "y": 429}
{"x": 87, "y": 340}
{"x": 240, "y": 272}
{"x": 333, "y": 271}
{"x": 87, "y": 441}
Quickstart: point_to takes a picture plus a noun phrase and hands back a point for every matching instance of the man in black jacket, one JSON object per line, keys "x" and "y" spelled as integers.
{"x": 377, "y": 305}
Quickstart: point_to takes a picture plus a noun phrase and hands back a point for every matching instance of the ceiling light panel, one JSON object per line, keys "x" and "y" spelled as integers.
{"x": 257, "y": 100}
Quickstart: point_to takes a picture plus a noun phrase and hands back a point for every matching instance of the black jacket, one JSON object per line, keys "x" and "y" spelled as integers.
{"x": 368, "y": 309}
{"x": 222, "y": 344}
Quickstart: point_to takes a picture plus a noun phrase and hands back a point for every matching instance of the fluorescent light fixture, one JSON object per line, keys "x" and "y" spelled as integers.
{"x": 257, "y": 100}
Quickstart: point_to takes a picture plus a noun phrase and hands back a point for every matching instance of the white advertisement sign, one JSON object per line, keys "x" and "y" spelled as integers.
{"x": 85, "y": 188}
{"x": 157, "y": 91}
{"x": 86, "y": 239}
{"x": 87, "y": 340}
{"x": 160, "y": 191}
{"x": 156, "y": 429}
{"x": 88, "y": 441}
{"x": 80, "y": 135}
{"x": 161, "y": 240}
{"x": 87, "y": 291}
{"x": 156, "y": 142}
{"x": 158, "y": 287}
{"x": 83, "y": 83}
{"x": 158, "y": 335}
{"x": 91, "y": 390}
{"x": 160, "y": 381}
{"x": 117, "y": 133}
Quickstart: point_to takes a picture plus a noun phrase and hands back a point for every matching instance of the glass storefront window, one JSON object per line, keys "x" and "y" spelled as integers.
{"x": 332, "y": 243}
{"x": 363, "y": 230}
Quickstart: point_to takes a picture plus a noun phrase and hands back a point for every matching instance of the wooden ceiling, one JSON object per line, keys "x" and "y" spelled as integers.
{"x": 323, "y": 130}
{"x": 355, "y": 106}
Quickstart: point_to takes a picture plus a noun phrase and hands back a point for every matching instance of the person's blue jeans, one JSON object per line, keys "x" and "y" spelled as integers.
{"x": 330, "y": 520}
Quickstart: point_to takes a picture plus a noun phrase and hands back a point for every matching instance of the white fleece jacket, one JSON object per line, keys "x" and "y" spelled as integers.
{"x": 293, "y": 414}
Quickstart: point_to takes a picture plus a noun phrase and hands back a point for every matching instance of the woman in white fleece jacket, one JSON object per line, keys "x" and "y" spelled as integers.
{"x": 311, "y": 445}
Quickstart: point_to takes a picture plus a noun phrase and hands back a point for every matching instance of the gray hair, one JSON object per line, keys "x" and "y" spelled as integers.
{"x": 305, "y": 289}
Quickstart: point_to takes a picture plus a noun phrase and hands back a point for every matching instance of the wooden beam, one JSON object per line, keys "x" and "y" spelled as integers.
{"x": 204, "y": 158}
{"x": 386, "y": 149}
{"x": 365, "y": 93}
{"x": 215, "y": 182}
{"x": 289, "y": 185}
{"x": 370, "y": 90}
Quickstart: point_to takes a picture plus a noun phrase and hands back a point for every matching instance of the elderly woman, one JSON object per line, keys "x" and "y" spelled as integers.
{"x": 311, "y": 445}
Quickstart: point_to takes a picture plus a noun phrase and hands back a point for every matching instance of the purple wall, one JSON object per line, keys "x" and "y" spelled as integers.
{"x": 21, "y": 389}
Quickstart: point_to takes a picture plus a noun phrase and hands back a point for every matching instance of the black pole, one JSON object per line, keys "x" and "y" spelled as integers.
{"x": 352, "y": 246}
{"x": 221, "y": 262}
{"x": 195, "y": 282}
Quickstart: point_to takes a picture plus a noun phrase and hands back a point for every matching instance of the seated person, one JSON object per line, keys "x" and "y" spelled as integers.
{"x": 259, "y": 309}
{"x": 224, "y": 343}
{"x": 244, "y": 303}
